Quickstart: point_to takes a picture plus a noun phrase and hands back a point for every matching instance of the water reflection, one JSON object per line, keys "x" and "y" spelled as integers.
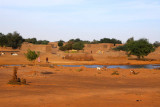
{"x": 117, "y": 66}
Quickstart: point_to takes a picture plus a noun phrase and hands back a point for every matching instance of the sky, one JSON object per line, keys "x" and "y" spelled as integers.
{"x": 85, "y": 19}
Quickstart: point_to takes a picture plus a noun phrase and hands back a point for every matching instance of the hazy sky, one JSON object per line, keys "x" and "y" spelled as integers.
{"x": 85, "y": 19}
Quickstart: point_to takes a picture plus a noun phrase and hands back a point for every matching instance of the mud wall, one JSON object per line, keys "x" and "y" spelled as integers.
{"x": 101, "y": 47}
{"x": 40, "y": 48}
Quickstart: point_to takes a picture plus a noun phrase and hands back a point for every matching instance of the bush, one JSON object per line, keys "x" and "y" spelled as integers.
{"x": 46, "y": 72}
{"x": 32, "y": 55}
{"x": 156, "y": 44}
{"x": 60, "y": 43}
{"x": 115, "y": 73}
{"x": 23, "y": 81}
{"x": 79, "y": 70}
{"x": 78, "y": 46}
{"x": 120, "y": 48}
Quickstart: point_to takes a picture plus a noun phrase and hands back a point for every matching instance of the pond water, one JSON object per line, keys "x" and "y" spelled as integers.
{"x": 117, "y": 66}
{"x": 149, "y": 66}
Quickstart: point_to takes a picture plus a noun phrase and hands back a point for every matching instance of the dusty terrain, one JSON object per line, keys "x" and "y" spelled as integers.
{"x": 80, "y": 87}
{"x": 98, "y": 59}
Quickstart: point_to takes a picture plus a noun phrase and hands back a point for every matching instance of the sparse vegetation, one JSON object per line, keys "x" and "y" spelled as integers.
{"x": 60, "y": 43}
{"x": 46, "y": 72}
{"x": 32, "y": 55}
{"x": 35, "y": 41}
{"x": 120, "y": 48}
{"x": 15, "y": 80}
{"x": 108, "y": 40}
{"x": 115, "y": 73}
{"x": 79, "y": 70}
{"x": 156, "y": 44}
{"x": 139, "y": 48}
{"x": 13, "y": 40}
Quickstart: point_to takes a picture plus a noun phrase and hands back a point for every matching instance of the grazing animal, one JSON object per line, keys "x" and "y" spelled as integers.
{"x": 98, "y": 68}
{"x": 132, "y": 72}
{"x": 3, "y": 53}
{"x": 14, "y": 54}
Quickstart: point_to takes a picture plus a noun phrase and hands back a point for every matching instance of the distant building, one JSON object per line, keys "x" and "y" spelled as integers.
{"x": 99, "y": 48}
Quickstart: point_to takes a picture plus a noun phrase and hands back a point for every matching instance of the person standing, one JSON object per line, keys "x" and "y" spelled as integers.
{"x": 39, "y": 60}
{"x": 46, "y": 59}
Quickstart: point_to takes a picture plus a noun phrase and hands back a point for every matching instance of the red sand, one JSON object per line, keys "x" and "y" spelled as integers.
{"x": 70, "y": 87}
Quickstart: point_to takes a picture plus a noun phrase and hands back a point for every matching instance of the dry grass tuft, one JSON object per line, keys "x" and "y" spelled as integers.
{"x": 15, "y": 80}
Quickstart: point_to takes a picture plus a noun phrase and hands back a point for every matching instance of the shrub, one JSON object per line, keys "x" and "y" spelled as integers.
{"x": 78, "y": 45}
{"x": 120, "y": 48}
{"x": 23, "y": 81}
{"x": 79, "y": 70}
{"x": 46, "y": 72}
{"x": 32, "y": 55}
{"x": 115, "y": 73}
{"x": 60, "y": 43}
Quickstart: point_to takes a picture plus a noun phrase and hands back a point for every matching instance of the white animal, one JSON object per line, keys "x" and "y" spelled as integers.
{"x": 14, "y": 54}
{"x": 98, "y": 68}
{"x": 3, "y": 53}
{"x": 132, "y": 71}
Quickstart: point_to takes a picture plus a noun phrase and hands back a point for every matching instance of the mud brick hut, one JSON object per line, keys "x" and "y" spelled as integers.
{"x": 99, "y": 48}
{"x": 50, "y": 48}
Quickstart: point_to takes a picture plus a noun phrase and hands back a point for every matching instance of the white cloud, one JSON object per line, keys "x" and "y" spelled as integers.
{"x": 38, "y": 2}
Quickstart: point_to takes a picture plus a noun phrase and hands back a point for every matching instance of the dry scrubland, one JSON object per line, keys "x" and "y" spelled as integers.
{"x": 80, "y": 87}
{"x": 108, "y": 58}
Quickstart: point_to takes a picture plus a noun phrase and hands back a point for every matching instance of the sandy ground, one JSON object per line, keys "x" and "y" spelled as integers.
{"x": 80, "y": 87}
{"x": 98, "y": 59}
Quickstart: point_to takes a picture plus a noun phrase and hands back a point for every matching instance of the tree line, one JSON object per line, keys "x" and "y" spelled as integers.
{"x": 78, "y": 44}
{"x": 15, "y": 40}
{"x": 139, "y": 48}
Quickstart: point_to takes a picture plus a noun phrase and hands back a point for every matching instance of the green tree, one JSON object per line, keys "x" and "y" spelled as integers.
{"x": 140, "y": 48}
{"x": 120, "y": 48}
{"x": 78, "y": 45}
{"x": 31, "y": 40}
{"x": 32, "y": 55}
{"x": 156, "y": 44}
{"x": 107, "y": 40}
{"x": 3, "y": 40}
{"x": 130, "y": 40}
{"x": 60, "y": 43}
{"x": 68, "y": 46}
{"x": 14, "y": 40}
